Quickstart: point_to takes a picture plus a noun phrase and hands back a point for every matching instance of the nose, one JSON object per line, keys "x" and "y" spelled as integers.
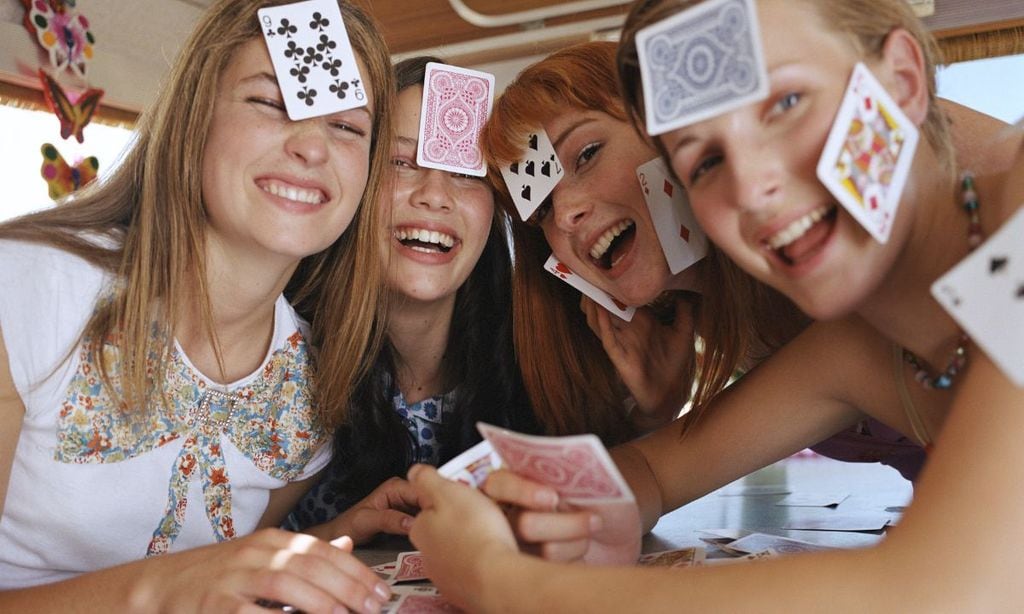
{"x": 756, "y": 177}
{"x": 570, "y": 210}
{"x": 433, "y": 189}
{"x": 307, "y": 142}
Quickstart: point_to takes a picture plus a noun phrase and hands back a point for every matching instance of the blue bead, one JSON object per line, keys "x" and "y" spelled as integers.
{"x": 943, "y": 381}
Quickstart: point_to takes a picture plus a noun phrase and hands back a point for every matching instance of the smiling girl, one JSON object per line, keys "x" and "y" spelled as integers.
{"x": 159, "y": 397}
{"x": 751, "y": 175}
{"x": 447, "y": 359}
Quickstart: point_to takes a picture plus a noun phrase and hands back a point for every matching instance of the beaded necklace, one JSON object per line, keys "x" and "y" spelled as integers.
{"x": 943, "y": 380}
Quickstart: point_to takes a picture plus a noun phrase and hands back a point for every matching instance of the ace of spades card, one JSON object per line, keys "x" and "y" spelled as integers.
{"x": 599, "y": 296}
{"x": 984, "y": 293}
{"x": 531, "y": 179}
{"x": 682, "y": 240}
{"x": 312, "y": 56}
{"x": 868, "y": 154}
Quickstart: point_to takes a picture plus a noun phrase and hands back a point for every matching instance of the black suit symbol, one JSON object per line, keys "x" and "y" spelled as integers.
{"x": 525, "y": 192}
{"x": 533, "y": 142}
{"x": 1020, "y": 292}
{"x": 530, "y": 168}
{"x": 545, "y": 168}
{"x": 514, "y": 168}
{"x": 554, "y": 160}
{"x": 997, "y": 264}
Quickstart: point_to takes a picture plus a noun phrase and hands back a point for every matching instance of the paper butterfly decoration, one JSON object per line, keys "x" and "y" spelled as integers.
{"x": 62, "y": 32}
{"x": 73, "y": 115}
{"x": 62, "y": 178}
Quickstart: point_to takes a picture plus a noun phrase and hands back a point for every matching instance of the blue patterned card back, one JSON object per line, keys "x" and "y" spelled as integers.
{"x": 701, "y": 62}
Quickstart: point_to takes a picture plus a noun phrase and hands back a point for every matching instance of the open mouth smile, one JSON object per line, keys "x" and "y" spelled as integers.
{"x": 802, "y": 236}
{"x": 425, "y": 241}
{"x": 611, "y": 246}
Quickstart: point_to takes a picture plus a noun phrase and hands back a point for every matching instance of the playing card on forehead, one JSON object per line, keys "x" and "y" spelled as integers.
{"x": 868, "y": 154}
{"x": 599, "y": 296}
{"x": 456, "y": 103}
{"x": 578, "y": 467}
{"x": 682, "y": 240}
{"x": 985, "y": 295}
{"x": 701, "y": 62}
{"x": 313, "y": 59}
{"x": 532, "y": 178}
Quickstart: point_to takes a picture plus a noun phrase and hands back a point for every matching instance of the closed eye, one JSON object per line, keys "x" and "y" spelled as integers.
{"x": 266, "y": 102}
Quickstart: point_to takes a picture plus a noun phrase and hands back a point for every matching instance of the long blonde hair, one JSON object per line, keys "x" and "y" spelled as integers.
{"x": 151, "y": 205}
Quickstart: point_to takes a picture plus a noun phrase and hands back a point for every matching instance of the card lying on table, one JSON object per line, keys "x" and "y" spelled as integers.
{"x": 577, "y": 466}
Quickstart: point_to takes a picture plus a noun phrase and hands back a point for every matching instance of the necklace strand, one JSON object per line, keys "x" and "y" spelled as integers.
{"x": 943, "y": 380}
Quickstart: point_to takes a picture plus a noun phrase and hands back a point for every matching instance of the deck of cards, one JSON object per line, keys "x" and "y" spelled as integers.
{"x": 312, "y": 57}
{"x": 701, "y": 62}
{"x": 578, "y": 467}
{"x": 868, "y": 154}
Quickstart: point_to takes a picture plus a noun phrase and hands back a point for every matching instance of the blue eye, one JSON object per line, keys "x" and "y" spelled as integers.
{"x": 786, "y": 102}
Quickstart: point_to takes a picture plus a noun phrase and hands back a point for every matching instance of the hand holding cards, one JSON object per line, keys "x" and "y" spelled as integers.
{"x": 312, "y": 56}
{"x": 578, "y": 467}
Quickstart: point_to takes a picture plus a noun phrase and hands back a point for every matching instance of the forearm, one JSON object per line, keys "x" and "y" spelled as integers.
{"x": 124, "y": 588}
{"x": 637, "y": 472}
{"x": 838, "y": 582}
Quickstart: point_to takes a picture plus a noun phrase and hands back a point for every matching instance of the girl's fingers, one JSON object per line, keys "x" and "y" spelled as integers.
{"x": 538, "y": 527}
{"x": 507, "y": 487}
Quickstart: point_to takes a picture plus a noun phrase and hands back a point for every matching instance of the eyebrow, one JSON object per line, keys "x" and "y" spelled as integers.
{"x": 572, "y": 128}
{"x": 405, "y": 140}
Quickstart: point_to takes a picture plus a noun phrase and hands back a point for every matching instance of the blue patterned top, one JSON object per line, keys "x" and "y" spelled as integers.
{"x": 424, "y": 421}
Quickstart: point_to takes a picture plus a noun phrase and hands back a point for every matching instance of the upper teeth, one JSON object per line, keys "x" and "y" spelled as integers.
{"x": 797, "y": 228}
{"x": 302, "y": 195}
{"x": 425, "y": 236}
{"x": 602, "y": 244}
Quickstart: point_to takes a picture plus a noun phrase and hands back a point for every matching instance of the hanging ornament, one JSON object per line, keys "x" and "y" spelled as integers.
{"x": 62, "y": 32}
{"x": 63, "y": 178}
{"x": 74, "y": 114}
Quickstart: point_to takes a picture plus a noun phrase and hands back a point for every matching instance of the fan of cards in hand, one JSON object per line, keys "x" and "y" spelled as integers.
{"x": 578, "y": 467}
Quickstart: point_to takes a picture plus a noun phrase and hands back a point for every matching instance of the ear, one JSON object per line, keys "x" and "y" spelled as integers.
{"x": 903, "y": 67}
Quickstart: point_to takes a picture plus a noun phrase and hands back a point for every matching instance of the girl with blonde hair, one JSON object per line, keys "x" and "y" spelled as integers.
{"x": 159, "y": 397}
